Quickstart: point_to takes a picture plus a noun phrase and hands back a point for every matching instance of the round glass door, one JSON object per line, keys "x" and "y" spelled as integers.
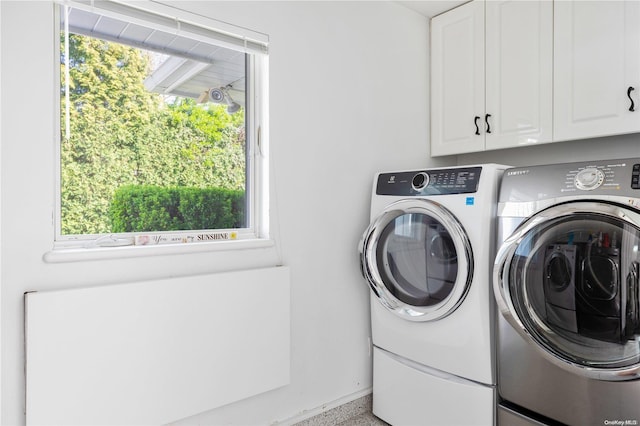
{"x": 417, "y": 260}
{"x": 568, "y": 279}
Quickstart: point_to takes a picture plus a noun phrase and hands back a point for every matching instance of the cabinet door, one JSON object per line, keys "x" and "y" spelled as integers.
{"x": 457, "y": 80}
{"x": 519, "y": 73}
{"x": 597, "y": 59}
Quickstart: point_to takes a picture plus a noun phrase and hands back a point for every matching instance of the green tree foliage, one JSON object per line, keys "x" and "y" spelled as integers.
{"x": 138, "y": 208}
{"x": 121, "y": 134}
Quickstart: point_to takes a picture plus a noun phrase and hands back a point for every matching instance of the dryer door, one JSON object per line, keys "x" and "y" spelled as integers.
{"x": 417, "y": 259}
{"x": 568, "y": 281}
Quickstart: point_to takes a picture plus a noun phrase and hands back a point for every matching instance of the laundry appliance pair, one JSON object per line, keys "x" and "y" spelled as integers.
{"x": 427, "y": 256}
{"x": 556, "y": 248}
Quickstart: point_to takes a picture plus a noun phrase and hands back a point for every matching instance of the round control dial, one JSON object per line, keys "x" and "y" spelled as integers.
{"x": 419, "y": 181}
{"x": 589, "y": 178}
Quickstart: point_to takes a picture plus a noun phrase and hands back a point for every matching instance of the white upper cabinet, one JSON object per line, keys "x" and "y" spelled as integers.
{"x": 519, "y": 73}
{"x": 457, "y": 80}
{"x": 511, "y": 104}
{"x": 597, "y": 68}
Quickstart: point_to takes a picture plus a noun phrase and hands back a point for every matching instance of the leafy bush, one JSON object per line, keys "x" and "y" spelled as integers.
{"x": 140, "y": 208}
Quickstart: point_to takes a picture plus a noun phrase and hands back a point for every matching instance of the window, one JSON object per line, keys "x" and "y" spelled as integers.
{"x": 159, "y": 125}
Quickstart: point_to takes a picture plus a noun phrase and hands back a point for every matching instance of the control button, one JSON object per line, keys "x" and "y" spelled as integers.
{"x": 419, "y": 181}
{"x": 589, "y": 179}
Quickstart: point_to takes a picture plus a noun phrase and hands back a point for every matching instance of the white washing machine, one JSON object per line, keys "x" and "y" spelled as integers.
{"x": 427, "y": 256}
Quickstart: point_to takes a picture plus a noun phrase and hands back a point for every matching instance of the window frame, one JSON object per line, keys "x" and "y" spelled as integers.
{"x": 256, "y": 159}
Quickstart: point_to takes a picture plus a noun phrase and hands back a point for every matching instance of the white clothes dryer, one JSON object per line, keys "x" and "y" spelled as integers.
{"x": 427, "y": 256}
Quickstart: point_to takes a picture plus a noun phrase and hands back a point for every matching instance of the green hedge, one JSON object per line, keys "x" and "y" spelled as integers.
{"x": 136, "y": 208}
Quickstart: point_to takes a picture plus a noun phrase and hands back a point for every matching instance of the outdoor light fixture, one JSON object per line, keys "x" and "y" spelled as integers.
{"x": 220, "y": 95}
{"x": 232, "y": 106}
{"x": 217, "y": 95}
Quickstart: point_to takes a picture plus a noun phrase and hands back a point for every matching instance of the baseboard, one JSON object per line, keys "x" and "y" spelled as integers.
{"x": 334, "y": 412}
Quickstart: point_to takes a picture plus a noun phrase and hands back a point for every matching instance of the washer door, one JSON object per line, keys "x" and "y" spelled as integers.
{"x": 568, "y": 281}
{"x": 417, "y": 259}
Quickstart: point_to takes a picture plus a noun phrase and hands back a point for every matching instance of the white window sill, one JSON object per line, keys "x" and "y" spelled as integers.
{"x": 106, "y": 253}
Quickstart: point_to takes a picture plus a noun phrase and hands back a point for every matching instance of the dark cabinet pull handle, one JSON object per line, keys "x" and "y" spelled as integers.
{"x": 629, "y": 90}
{"x": 475, "y": 121}
{"x": 486, "y": 120}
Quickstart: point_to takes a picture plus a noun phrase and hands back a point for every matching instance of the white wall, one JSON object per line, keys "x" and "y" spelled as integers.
{"x": 349, "y": 96}
{"x": 624, "y": 146}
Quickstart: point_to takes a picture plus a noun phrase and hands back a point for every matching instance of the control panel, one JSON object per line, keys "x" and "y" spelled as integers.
{"x": 611, "y": 175}
{"x": 602, "y": 177}
{"x": 461, "y": 180}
